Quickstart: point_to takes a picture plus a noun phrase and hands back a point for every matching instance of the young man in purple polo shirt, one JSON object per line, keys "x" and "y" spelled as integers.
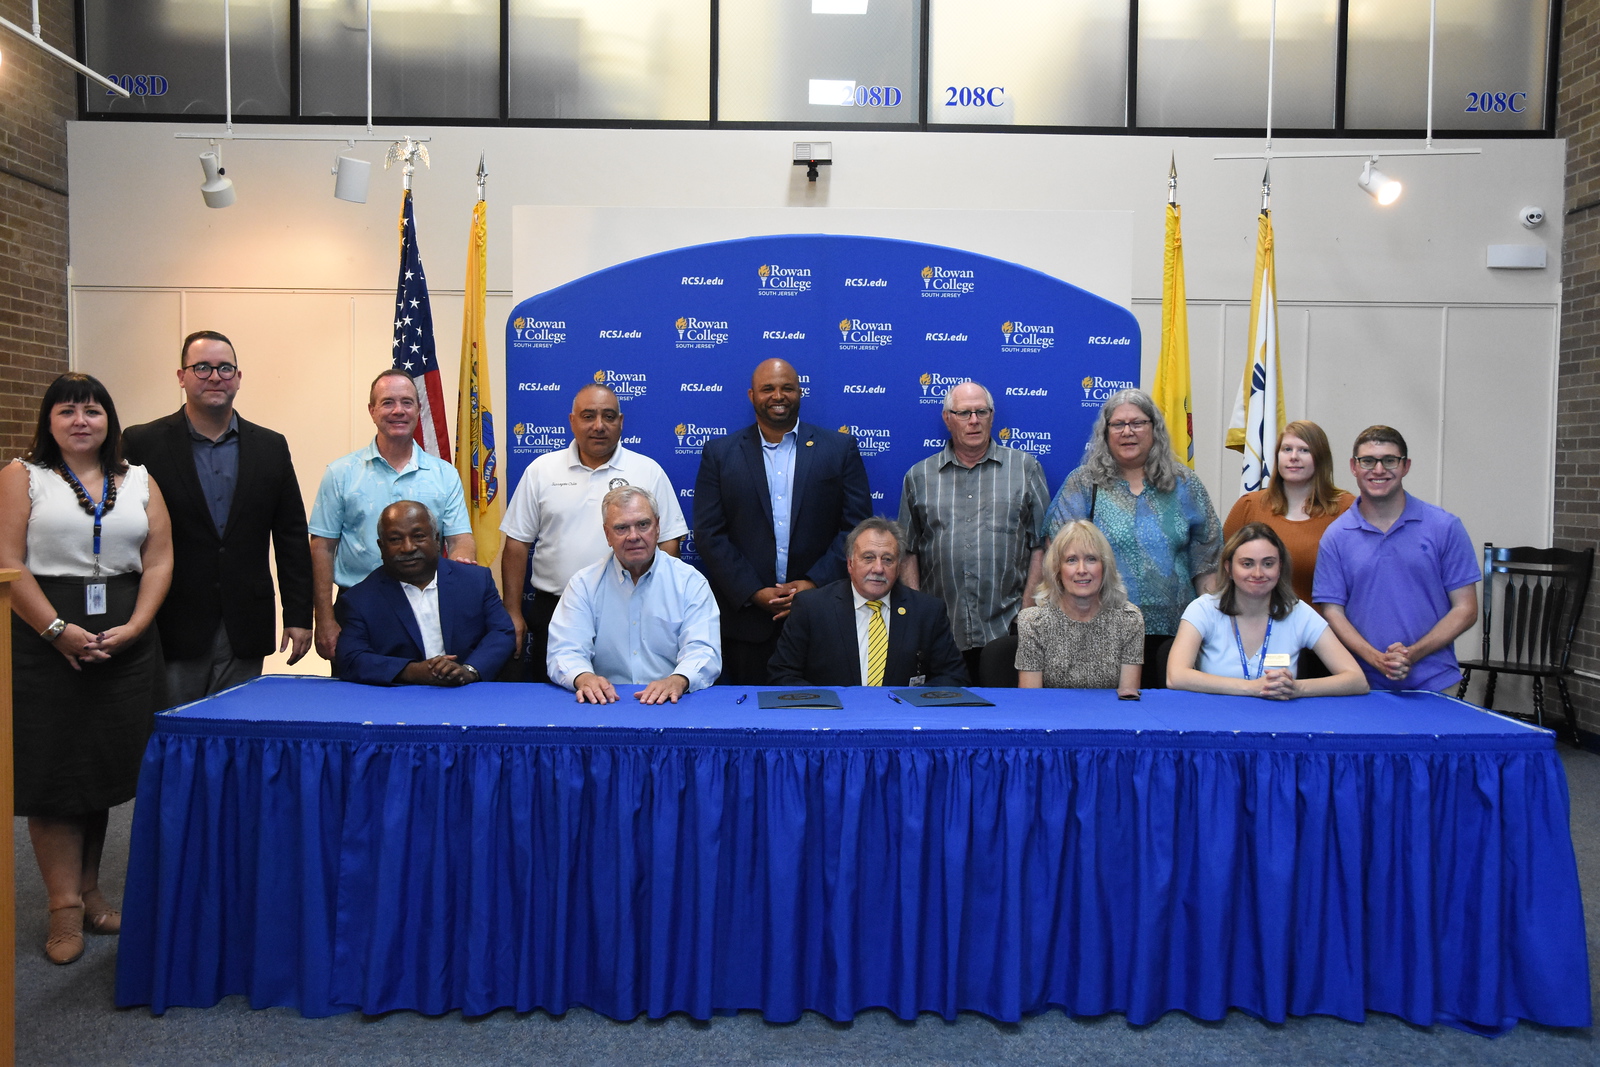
{"x": 1397, "y": 577}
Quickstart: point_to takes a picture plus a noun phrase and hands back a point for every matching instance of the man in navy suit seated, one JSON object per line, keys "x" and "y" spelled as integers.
{"x": 419, "y": 619}
{"x": 866, "y": 630}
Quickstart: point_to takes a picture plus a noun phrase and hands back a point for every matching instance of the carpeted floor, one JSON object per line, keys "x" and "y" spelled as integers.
{"x": 65, "y": 1016}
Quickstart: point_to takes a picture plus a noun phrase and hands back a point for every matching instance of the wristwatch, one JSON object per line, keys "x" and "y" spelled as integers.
{"x": 54, "y": 630}
{"x": 476, "y": 677}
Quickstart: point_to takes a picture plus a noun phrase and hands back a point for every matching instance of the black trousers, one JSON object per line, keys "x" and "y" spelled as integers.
{"x": 530, "y": 665}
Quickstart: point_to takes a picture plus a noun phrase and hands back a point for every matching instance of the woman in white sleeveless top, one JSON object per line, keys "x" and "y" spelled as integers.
{"x": 87, "y": 672}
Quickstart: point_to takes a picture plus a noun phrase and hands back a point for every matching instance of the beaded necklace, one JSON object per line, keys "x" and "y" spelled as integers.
{"x": 109, "y": 492}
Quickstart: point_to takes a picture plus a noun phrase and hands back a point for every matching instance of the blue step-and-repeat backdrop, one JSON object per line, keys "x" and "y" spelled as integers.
{"x": 878, "y": 330}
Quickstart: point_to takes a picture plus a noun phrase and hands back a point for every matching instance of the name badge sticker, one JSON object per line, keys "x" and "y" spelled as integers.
{"x": 1277, "y": 659}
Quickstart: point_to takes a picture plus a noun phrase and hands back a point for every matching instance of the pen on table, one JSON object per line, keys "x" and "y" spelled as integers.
{"x": 890, "y": 694}
{"x": 741, "y": 698}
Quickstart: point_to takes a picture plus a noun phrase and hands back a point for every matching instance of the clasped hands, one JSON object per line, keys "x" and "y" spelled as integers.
{"x": 80, "y": 646}
{"x": 440, "y": 670}
{"x": 1277, "y": 683}
{"x": 777, "y": 600}
{"x": 1394, "y": 662}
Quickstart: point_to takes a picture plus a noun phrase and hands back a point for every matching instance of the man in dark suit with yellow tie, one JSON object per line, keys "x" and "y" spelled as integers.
{"x": 866, "y": 629}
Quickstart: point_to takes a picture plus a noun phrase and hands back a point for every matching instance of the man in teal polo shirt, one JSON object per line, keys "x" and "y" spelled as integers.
{"x": 1396, "y": 577}
{"x": 357, "y": 487}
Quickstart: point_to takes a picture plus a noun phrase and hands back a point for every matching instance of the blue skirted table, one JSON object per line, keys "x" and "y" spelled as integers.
{"x": 334, "y": 847}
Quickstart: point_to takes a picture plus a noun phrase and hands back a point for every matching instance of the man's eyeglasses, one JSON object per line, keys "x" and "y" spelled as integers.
{"x": 963, "y": 414}
{"x": 1120, "y": 426}
{"x": 203, "y": 370}
{"x": 1390, "y": 463}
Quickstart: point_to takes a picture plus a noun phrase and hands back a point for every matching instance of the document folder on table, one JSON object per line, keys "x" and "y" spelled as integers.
{"x": 942, "y": 698}
{"x": 809, "y": 699}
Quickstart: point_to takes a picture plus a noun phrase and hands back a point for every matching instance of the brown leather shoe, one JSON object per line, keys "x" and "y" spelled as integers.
{"x": 100, "y": 917}
{"x": 65, "y": 943}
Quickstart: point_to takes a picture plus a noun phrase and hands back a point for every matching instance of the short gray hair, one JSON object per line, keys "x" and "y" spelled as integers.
{"x": 875, "y": 524}
{"x": 949, "y": 402}
{"x": 623, "y": 495}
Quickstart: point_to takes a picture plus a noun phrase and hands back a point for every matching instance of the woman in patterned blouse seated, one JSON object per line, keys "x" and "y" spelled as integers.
{"x": 1246, "y": 639}
{"x": 1152, "y": 509}
{"x": 1083, "y": 634}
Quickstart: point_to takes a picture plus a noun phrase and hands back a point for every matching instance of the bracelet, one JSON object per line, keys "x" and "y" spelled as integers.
{"x": 54, "y": 630}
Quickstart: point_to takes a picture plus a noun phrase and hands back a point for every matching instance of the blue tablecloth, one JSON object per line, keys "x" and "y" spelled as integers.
{"x": 334, "y": 847}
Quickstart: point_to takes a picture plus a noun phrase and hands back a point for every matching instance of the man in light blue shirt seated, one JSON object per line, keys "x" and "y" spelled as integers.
{"x": 355, "y": 488}
{"x": 638, "y": 617}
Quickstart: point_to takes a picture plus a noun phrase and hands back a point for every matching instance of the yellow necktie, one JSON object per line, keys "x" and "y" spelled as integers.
{"x": 877, "y": 643}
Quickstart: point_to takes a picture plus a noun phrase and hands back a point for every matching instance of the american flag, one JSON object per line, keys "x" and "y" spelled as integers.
{"x": 413, "y": 339}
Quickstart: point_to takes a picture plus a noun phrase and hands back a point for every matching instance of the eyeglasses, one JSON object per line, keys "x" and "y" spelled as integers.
{"x": 1136, "y": 425}
{"x": 203, "y": 370}
{"x": 963, "y": 414}
{"x": 1390, "y": 463}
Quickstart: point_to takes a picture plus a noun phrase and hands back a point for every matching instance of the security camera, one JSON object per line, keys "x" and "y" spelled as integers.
{"x": 811, "y": 155}
{"x": 1532, "y": 216}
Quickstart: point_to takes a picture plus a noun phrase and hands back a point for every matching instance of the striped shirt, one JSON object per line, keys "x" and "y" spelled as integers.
{"x": 973, "y": 531}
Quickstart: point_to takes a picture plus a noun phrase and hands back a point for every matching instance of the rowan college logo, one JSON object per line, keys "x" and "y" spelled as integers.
{"x": 1005, "y": 433}
{"x": 926, "y": 379}
{"x": 1006, "y": 328}
{"x": 682, "y": 324}
{"x": 519, "y": 322}
{"x": 844, "y": 329}
{"x": 927, "y": 273}
{"x": 763, "y": 271}
{"x": 1088, "y": 384}
{"x": 599, "y": 377}
{"x": 680, "y": 429}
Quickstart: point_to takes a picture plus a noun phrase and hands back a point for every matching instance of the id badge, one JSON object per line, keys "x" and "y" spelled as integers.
{"x": 919, "y": 680}
{"x": 94, "y": 598}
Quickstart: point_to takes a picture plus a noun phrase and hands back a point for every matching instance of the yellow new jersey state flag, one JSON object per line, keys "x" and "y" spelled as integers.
{"x": 475, "y": 453}
{"x": 1258, "y": 413}
{"x": 1171, "y": 392}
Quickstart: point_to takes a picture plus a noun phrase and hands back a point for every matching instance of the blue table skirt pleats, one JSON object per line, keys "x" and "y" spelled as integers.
{"x": 707, "y": 872}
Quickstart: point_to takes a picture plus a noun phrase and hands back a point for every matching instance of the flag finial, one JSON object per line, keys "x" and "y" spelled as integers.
{"x": 483, "y": 175}
{"x": 1172, "y": 180}
{"x": 1266, "y": 189}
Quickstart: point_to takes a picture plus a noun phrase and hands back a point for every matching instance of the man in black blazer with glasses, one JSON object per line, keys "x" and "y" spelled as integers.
{"x": 231, "y": 489}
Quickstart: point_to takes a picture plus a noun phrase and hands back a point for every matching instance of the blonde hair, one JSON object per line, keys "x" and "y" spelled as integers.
{"x": 1081, "y": 534}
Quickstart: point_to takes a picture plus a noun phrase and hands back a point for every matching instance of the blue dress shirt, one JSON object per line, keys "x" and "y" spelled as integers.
{"x": 779, "y": 461}
{"x": 216, "y": 464}
{"x": 634, "y": 634}
{"x": 357, "y": 487}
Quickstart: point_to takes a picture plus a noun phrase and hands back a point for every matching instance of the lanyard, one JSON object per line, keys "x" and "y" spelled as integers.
{"x": 99, "y": 509}
{"x": 1239, "y": 643}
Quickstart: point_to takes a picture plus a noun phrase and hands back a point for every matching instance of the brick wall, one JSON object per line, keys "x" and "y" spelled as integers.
{"x": 37, "y": 97}
{"x": 1577, "y": 490}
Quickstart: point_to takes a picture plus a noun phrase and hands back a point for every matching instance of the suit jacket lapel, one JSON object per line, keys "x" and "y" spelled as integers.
{"x": 750, "y": 448}
{"x": 845, "y": 618}
{"x": 188, "y": 477}
{"x": 902, "y": 637}
{"x": 245, "y": 475}
{"x": 447, "y": 588}
{"x": 803, "y": 450}
{"x": 401, "y": 606}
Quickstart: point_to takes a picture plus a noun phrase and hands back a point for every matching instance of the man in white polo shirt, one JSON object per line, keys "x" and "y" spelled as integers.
{"x": 554, "y": 516}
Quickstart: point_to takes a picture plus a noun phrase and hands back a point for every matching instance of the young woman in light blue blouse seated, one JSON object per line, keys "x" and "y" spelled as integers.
{"x": 1246, "y": 638}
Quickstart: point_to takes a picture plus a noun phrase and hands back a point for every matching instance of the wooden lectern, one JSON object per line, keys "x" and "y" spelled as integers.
{"x": 8, "y": 866}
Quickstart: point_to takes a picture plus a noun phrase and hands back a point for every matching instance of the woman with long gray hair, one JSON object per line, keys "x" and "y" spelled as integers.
{"x": 1153, "y": 510}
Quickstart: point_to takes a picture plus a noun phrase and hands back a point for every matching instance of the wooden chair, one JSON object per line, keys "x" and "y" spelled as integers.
{"x": 1542, "y": 591}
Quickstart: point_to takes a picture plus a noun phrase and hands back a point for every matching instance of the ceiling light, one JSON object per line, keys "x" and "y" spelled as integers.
{"x": 1382, "y": 188}
{"x": 217, "y": 189}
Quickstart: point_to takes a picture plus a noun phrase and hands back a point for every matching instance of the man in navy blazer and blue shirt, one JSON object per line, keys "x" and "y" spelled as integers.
{"x": 831, "y": 632}
{"x": 420, "y": 619}
{"x": 772, "y": 506}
